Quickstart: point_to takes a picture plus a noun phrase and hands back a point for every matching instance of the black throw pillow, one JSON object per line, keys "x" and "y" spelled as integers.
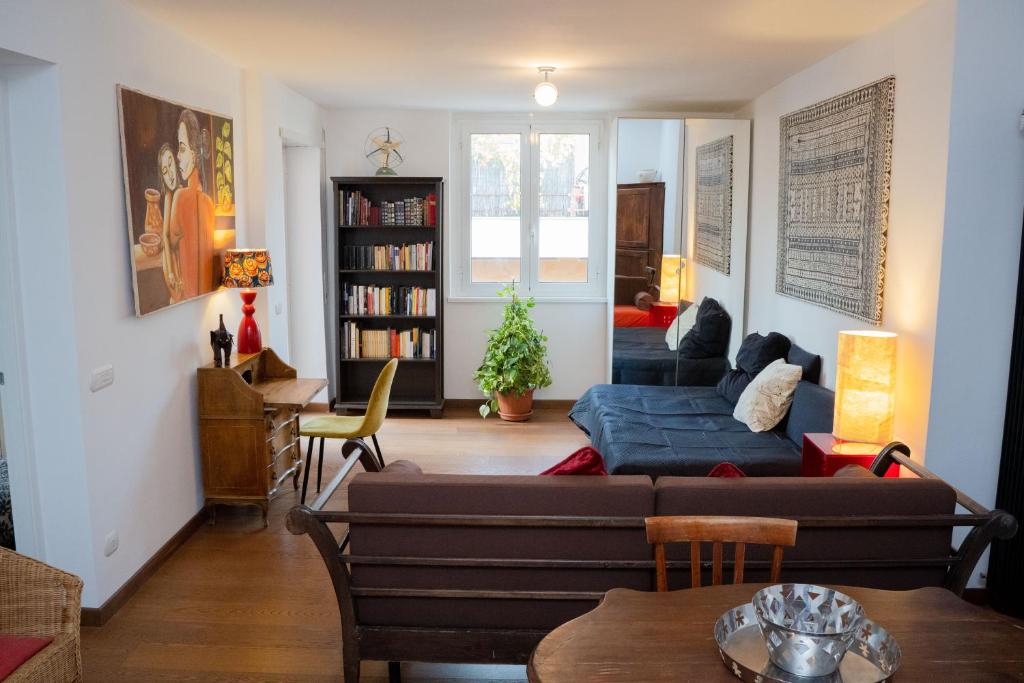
{"x": 709, "y": 336}
{"x": 756, "y": 353}
{"x": 732, "y": 385}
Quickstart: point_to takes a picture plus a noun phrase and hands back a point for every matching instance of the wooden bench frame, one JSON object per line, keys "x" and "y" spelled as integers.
{"x": 474, "y": 645}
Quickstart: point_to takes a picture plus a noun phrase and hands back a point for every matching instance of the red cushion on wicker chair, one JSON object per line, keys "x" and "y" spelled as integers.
{"x": 584, "y": 461}
{"x": 16, "y": 650}
{"x": 726, "y": 470}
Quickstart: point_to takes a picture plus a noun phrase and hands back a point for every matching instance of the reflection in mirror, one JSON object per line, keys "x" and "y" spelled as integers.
{"x": 649, "y": 252}
{"x": 680, "y": 249}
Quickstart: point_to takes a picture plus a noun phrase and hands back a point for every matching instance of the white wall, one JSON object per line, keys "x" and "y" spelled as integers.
{"x": 130, "y": 450}
{"x": 918, "y": 49}
{"x": 980, "y": 248}
{"x": 701, "y": 281}
{"x": 654, "y": 144}
{"x": 576, "y": 331}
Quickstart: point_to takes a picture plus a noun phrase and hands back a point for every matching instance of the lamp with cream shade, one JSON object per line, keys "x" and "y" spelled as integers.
{"x": 865, "y": 390}
{"x": 671, "y": 284}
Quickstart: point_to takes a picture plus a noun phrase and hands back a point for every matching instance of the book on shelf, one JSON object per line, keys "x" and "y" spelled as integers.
{"x": 389, "y": 300}
{"x": 390, "y": 343}
{"x": 388, "y": 257}
{"x": 357, "y": 210}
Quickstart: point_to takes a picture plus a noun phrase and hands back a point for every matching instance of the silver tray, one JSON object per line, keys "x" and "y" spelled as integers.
{"x": 873, "y": 658}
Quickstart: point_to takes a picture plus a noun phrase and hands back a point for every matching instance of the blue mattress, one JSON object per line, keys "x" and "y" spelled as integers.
{"x": 641, "y": 356}
{"x": 682, "y": 431}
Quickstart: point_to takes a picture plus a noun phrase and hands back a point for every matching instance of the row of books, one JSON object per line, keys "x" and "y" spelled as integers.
{"x": 388, "y": 257}
{"x": 357, "y": 210}
{"x": 374, "y": 300}
{"x": 389, "y": 343}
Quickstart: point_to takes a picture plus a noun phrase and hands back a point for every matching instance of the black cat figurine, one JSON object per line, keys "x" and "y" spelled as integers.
{"x": 221, "y": 340}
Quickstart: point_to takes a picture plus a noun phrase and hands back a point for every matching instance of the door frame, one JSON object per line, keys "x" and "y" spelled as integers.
{"x": 14, "y": 388}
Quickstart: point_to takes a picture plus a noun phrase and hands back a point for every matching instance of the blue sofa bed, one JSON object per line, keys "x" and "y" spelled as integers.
{"x": 686, "y": 431}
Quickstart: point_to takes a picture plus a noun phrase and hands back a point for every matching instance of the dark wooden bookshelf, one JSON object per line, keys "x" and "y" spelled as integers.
{"x": 419, "y": 382}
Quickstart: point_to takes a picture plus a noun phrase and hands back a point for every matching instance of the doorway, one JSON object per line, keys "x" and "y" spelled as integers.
{"x": 303, "y": 182}
{"x": 16, "y": 483}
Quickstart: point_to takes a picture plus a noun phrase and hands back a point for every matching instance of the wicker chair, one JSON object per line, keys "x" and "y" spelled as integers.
{"x": 39, "y": 600}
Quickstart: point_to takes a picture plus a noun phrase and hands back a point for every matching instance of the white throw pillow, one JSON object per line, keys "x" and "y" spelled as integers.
{"x": 764, "y": 402}
{"x": 680, "y": 326}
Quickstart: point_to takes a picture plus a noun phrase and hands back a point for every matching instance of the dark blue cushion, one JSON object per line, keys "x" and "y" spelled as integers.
{"x": 809, "y": 362}
{"x": 756, "y": 353}
{"x": 811, "y": 412}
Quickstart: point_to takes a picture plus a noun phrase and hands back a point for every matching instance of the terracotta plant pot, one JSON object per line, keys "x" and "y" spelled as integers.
{"x": 515, "y": 408}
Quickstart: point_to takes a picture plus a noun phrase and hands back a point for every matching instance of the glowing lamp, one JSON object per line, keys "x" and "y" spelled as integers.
{"x": 245, "y": 269}
{"x": 671, "y": 277}
{"x": 865, "y": 390}
{"x": 545, "y": 93}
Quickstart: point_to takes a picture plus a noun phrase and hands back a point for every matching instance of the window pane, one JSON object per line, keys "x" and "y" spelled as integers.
{"x": 564, "y": 196}
{"x": 495, "y": 207}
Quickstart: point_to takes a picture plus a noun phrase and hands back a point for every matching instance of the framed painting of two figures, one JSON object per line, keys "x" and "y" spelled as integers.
{"x": 179, "y": 181}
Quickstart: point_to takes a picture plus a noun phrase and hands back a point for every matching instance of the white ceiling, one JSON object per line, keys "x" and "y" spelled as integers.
{"x": 642, "y": 55}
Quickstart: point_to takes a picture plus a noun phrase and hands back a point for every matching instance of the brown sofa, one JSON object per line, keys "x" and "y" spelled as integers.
{"x": 459, "y": 568}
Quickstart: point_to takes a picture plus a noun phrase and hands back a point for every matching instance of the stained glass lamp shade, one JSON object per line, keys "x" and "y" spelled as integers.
{"x": 246, "y": 269}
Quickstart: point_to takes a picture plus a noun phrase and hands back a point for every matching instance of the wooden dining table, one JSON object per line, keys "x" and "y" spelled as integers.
{"x": 641, "y": 637}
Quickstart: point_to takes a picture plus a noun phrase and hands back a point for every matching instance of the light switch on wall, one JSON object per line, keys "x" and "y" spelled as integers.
{"x": 102, "y": 377}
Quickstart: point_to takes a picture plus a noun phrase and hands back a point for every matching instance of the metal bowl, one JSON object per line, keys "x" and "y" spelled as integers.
{"x": 807, "y": 628}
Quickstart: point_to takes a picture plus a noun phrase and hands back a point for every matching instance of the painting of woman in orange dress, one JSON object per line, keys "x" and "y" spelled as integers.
{"x": 179, "y": 233}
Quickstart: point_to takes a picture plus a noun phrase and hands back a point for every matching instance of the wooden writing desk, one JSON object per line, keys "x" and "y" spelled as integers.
{"x": 249, "y": 428}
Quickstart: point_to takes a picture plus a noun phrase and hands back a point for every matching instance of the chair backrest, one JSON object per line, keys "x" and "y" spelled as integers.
{"x": 377, "y": 406}
{"x": 718, "y": 530}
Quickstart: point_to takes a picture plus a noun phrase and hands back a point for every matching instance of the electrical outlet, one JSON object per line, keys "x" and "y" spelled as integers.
{"x": 101, "y": 378}
{"x": 111, "y": 543}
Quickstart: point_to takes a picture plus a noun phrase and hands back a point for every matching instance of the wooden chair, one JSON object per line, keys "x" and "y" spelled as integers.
{"x": 718, "y": 530}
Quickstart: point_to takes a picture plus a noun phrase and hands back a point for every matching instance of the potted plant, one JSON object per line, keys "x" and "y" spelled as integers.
{"x": 515, "y": 362}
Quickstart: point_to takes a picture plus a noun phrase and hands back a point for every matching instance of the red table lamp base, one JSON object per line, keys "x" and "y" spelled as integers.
{"x": 249, "y": 340}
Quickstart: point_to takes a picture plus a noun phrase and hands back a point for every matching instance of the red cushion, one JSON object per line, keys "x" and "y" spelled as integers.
{"x": 584, "y": 461}
{"x": 16, "y": 650}
{"x": 726, "y": 470}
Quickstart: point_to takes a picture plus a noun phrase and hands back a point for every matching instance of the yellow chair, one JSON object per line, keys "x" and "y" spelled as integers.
{"x": 354, "y": 427}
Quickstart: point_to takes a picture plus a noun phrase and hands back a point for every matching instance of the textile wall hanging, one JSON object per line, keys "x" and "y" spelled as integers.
{"x": 834, "y": 174}
{"x": 179, "y": 187}
{"x": 714, "y": 205}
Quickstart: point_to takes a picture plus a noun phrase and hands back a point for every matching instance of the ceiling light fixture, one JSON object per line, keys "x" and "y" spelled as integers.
{"x": 545, "y": 93}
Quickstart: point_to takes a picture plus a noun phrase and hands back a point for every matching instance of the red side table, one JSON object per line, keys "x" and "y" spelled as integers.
{"x": 820, "y": 461}
{"x": 663, "y": 313}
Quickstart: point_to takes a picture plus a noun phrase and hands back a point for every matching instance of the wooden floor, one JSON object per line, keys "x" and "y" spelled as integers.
{"x": 241, "y": 603}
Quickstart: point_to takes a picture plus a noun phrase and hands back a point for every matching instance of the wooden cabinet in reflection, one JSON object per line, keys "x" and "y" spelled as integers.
{"x": 249, "y": 429}
{"x": 639, "y": 233}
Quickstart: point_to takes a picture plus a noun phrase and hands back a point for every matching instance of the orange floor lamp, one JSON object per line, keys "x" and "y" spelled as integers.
{"x": 247, "y": 269}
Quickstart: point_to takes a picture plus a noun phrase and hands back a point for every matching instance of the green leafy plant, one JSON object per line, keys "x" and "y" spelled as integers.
{"x": 516, "y": 356}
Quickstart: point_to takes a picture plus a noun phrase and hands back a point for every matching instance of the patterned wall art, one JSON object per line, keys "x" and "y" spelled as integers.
{"x": 714, "y": 205}
{"x": 835, "y": 161}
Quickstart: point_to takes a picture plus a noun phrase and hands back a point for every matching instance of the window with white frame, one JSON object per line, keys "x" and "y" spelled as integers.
{"x": 529, "y": 206}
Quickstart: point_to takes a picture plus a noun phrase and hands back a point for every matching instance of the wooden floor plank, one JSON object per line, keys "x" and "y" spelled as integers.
{"x": 241, "y": 603}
